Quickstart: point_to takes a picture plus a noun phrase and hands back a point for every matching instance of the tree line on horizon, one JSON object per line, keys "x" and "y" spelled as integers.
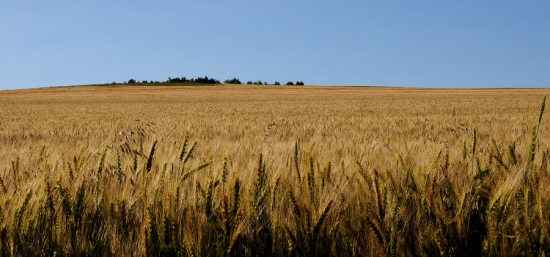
{"x": 206, "y": 80}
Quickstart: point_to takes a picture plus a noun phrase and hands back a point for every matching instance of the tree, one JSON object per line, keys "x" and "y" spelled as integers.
{"x": 206, "y": 80}
{"x": 276, "y": 83}
{"x": 290, "y": 83}
{"x": 299, "y": 83}
{"x": 232, "y": 81}
{"x": 131, "y": 81}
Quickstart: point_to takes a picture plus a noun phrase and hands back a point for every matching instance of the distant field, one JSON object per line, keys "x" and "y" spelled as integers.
{"x": 277, "y": 170}
{"x": 343, "y": 123}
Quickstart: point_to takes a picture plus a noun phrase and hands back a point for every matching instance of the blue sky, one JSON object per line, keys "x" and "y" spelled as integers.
{"x": 390, "y": 43}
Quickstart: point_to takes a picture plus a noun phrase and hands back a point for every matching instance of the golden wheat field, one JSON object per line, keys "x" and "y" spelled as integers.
{"x": 274, "y": 171}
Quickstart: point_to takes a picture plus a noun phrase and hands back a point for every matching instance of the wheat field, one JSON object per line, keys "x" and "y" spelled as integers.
{"x": 274, "y": 171}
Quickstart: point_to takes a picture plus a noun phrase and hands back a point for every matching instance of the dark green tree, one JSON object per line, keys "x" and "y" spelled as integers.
{"x": 232, "y": 81}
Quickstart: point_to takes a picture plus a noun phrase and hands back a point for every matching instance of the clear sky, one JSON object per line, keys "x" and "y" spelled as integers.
{"x": 390, "y": 43}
